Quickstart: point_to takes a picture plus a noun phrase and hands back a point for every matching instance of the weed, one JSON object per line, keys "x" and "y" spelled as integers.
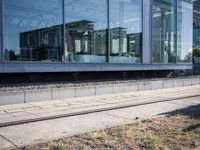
{"x": 56, "y": 146}
{"x": 98, "y": 135}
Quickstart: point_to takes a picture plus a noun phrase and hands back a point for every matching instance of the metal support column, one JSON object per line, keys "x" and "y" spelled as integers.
{"x": 108, "y": 33}
{"x": 147, "y": 32}
{"x": 64, "y": 32}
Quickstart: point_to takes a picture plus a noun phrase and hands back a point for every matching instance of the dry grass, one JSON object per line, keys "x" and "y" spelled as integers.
{"x": 177, "y": 131}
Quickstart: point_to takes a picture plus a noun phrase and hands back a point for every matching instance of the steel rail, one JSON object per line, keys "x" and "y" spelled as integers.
{"x": 78, "y": 113}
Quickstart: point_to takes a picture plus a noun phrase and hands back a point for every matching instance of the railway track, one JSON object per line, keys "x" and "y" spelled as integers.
{"x": 109, "y": 108}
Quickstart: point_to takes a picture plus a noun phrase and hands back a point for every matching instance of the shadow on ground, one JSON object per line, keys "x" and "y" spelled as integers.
{"x": 191, "y": 111}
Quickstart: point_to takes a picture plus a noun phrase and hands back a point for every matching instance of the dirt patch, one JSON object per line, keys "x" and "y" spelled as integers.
{"x": 177, "y": 130}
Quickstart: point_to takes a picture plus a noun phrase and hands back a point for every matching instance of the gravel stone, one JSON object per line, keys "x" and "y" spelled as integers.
{"x": 20, "y": 87}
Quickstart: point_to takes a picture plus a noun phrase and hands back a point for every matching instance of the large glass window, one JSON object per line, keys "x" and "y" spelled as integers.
{"x": 33, "y": 30}
{"x": 196, "y": 24}
{"x": 86, "y": 30}
{"x": 184, "y": 31}
{"x": 126, "y": 31}
{"x": 164, "y": 39}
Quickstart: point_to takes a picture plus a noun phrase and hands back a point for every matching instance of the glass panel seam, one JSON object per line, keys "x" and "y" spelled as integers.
{"x": 108, "y": 34}
{"x": 64, "y": 31}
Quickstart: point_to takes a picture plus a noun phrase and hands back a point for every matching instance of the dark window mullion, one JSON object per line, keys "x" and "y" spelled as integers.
{"x": 1, "y": 31}
{"x": 64, "y": 31}
{"x": 108, "y": 33}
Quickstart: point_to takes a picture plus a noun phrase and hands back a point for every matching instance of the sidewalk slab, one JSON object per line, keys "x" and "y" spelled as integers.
{"x": 4, "y": 144}
{"x": 44, "y": 131}
{"x": 35, "y": 110}
{"x": 48, "y": 130}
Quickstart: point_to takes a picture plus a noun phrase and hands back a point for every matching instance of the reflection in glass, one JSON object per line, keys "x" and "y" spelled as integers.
{"x": 33, "y": 30}
{"x": 126, "y": 31}
{"x": 196, "y": 25}
{"x": 164, "y": 31}
{"x": 184, "y": 42}
{"x": 86, "y": 30}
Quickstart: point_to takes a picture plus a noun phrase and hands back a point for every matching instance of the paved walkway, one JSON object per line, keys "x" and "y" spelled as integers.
{"x": 42, "y": 131}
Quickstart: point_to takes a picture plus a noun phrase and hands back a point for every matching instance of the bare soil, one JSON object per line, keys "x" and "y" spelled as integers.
{"x": 177, "y": 130}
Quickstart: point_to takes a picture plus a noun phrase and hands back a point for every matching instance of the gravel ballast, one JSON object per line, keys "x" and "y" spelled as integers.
{"x": 20, "y": 87}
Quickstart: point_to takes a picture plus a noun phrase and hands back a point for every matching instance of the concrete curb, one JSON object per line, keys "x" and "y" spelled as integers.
{"x": 63, "y": 93}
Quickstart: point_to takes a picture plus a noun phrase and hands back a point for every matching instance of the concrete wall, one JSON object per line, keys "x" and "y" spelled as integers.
{"x": 63, "y": 93}
{"x": 28, "y": 67}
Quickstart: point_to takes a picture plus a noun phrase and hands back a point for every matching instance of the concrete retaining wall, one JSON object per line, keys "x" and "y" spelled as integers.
{"x": 62, "y": 93}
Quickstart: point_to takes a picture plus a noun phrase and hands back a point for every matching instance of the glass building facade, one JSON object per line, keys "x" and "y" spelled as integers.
{"x": 126, "y": 31}
{"x": 170, "y": 42}
{"x": 32, "y": 30}
{"x": 184, "y": 44}
{"x": 196, "y": 24}
{"x": 164, "y": 31}
{"x": 97, "y": 31}
{"x": 35, "y": 32}
{"x": 86, "y": 27}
